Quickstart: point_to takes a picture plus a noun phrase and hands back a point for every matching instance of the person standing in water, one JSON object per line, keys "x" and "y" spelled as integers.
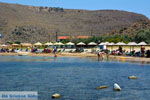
{"x": 54, "y": 51}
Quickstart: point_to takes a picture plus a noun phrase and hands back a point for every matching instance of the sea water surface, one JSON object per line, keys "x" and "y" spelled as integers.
{"x": 74, "y": 78}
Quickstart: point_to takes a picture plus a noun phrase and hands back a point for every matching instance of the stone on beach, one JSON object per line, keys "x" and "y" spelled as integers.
{"x": 102, "y": 87}
{"x": 117, "y": 87}
{"x": 56, "y": 96}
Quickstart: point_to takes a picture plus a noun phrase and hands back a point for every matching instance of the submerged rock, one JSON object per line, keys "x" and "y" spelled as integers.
{"x": 56, "y": 96}
{"x": 132, "y": 77}
{"x": 102, "y": 87}
{"x": 117, "y": 87}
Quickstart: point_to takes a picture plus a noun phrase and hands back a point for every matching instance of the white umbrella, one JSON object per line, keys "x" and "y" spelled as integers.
{"x": 132, "y": 43}
{"x": 142, "y": 43}
{"x": 120, "y": 43}
{"x": 4, "y": 45}
{"x": 81, "y": 43}
{"x": 104, "y": 43}
{"x": 38, "y": 44}
{"x": 48, "y": 43}
{"x": 58, "y": 43}
{"x": 69, "y": 43}
{"x": 92, "y": 43}
{"x": 26, "y": 44}
{"x": 111, "y": 43}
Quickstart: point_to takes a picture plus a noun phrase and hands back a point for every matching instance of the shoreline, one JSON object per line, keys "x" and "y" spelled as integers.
{"x": 85, "y": 55}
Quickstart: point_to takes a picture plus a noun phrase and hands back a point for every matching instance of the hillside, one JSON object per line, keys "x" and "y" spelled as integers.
{"x": 32, "y": 24}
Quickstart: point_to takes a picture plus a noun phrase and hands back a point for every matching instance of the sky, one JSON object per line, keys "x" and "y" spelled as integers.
{"x": 137, "y": 6}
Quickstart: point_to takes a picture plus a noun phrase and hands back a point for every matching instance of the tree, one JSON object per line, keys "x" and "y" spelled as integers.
{"x": 143, "y": 35}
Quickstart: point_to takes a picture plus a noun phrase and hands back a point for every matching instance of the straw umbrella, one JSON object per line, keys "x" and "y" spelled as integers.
{"x": 111, "y": 44}
{"x": 58, "y": 43}
{"x": 92, "y": 43}
{"x": 104, "y": 43}
{"x": 132, "y": 44}
{"x": 38, "y": 44}
{"x": 120, "y": 43}
{"x": 26, "y": 44}
{"x": 142, "y": 43}
{"x": 15, "y": 45}
{"x": 81, "y": 44}
{"x": 48, "y": 43}
{"x": 70, "y": 43}
{"x": 3, "y": 45}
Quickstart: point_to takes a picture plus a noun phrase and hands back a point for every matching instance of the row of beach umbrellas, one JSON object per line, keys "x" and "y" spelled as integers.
{"x": 80, "y": 43}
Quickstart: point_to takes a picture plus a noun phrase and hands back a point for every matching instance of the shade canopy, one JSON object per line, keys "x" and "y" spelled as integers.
{"x": 58, "y": 43}
{"x": 142, "y": 43}
{"x": 81, "y": 43}
{"x": 3, "y": 45}
{"x": 15, "y": 44}
{"x": 48, "y": 43}
{"x": 132, "y": 43}
{"x": 104, "y": 43}
{"x": 38, "y": 44}
{"x": 120, "y": 43}
{"x": 26, "y": 44}
{"x": 92, "y": 43}
{"x": 111, "y": 43}
{"x": 69, "y": 43}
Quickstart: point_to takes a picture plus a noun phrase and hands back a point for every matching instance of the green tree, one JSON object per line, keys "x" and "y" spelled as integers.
{"x": 143, "y": 35}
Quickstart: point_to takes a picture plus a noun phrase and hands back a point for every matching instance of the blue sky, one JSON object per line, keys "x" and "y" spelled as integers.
{"x": 138, "y": 6}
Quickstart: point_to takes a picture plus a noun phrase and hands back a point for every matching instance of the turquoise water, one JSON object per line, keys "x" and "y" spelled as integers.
{"x": 74, "y": 78}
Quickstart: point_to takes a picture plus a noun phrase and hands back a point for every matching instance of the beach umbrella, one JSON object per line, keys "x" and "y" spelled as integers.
{"x": 92, "y": 43}
{"x": 38, "y": 44}
{"x": 111, "y": 43}
{"x": 15, "y": 44}
{"x": 120, "y": 43}
{"x": 104, "y": 43}
{"x": 3, "y": 45}
{"x": 132, "y": 43}
{"x": 26, "y": 44}
{"x": 142, "y": 43}
{"x": 48, "y": 43}
{"x": 81, "y": 43}
{"x": 58, "y": 43}
{"x": 69, "y": 43}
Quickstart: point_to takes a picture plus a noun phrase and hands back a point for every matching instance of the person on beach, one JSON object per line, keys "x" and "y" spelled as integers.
{"x": 148, "y": 53}
{"x": 54, "y": 51}
{"x": 142, "y": 51}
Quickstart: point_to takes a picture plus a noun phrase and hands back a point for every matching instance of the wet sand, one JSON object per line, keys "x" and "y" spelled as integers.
{"x": 89, "y": 55}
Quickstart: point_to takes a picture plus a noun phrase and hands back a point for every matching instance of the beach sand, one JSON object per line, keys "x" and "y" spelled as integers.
{"x": 89, "y": 55}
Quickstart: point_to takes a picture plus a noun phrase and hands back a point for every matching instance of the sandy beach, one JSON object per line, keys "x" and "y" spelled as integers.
{"x": 89, "y": 55}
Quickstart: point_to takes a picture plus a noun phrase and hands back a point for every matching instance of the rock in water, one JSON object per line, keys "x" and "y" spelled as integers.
{"x": 56, "y": 96}
{"x": 102, "y": 87}
{"x": 132, "y": 77}
{"x": 117, "y": 87}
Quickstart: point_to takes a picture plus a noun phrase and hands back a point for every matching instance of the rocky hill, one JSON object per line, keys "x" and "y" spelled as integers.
{"x": 32, "y": 24}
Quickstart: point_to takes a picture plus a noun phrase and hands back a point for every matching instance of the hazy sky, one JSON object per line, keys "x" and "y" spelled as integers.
{"x": 138, "y": 6}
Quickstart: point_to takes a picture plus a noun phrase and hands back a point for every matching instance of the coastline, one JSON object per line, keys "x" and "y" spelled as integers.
{"x": 85, "y": 55}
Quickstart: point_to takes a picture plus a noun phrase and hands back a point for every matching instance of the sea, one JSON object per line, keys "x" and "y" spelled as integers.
{"x": 74, "y": 78}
